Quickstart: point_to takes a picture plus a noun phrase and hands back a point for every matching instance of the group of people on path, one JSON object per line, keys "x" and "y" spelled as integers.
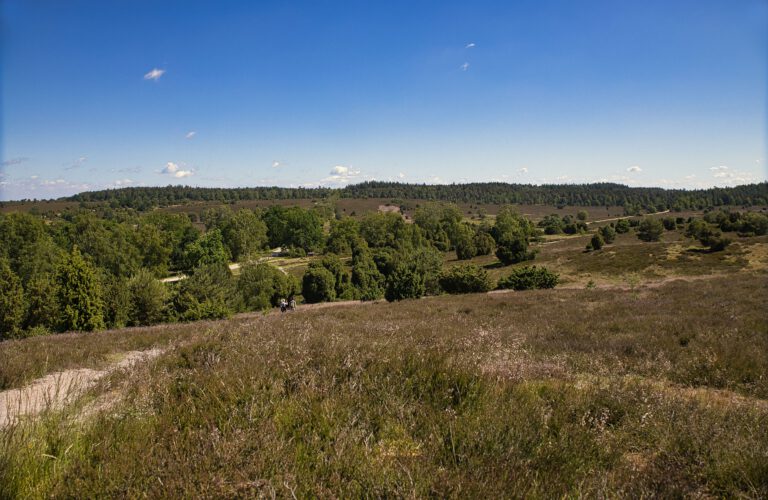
{"x": 288, "y": 305}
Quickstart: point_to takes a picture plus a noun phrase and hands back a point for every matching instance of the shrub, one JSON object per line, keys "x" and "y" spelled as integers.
{"x": 483, "y": 243}
{"x": 405, "y": 283}
{"x": 465, "y": 279}
{"x": 529, "y": 278}
{"x": 11, "y": 302}
{"x": 147, "y": 298}
{"x": 622, "y": 226}
{"x": 262, "y": 285}
{"x": 79, "y": 294}
{"x": 318, "y": 285}
{"x": 650, "y": 229}
{"x": 608, "y": 233}
{"x": 669, "y": 223}
{"x": 209, "y": 293}
{"x": 596, "y": 243}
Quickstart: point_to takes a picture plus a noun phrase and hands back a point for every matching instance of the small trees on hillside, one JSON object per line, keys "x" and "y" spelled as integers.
{"x": 707, "y": 235}
{"x": 512, "y": 233}
{"x": 529, "y": 278}
{"x": 650, "y": 229}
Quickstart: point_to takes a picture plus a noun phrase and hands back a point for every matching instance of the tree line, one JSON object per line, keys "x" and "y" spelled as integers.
{"x": 635, "y": 200}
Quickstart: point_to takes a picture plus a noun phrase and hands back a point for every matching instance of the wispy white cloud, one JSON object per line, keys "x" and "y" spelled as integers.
{"x": 122, "y": 182}
{"x": 14, "y": 161}
{"x": 277, "y": 164}
{"x": 401, "y": 175}
{"x": 464, "y": 67}
{"x": 523, "y": 170}
{"x": 155, "y": 74}
{"x": 726, "y": 175}
{"x": 174, "y": 170}
{"x": 634, "y": 168}
{"x": 76, "y": 164}
{"x": 470, "y": 45}
{"x": 190, "y": 134}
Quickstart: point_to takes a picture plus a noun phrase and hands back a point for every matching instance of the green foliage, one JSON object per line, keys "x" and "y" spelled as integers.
{"x": 79, "y": 294}
{"x": 529, "y": 278}
{"x": 608, "y": 234}
{"x": 669, "y": 223}
{"x": 707, "y": 235}
{"x": 208, "y": 250}
{"x": 294, "y": 227}
{"x": 117, "y": 300}
{"x": 512, "y": 233}
{"x": 582, "y": 215}
{"x": 650, "y": 229}
{"x": 441, "y": 223}
{"x": 148, "y": 299}
{"x": 465, "y": 279}
{"x": 209, "y": 293}
{"x": 366, "y": 277}
{"x": 42, "y": 304}
{"x": 551, "y": 224}
{"x": 318, "y": 285}
{"x": 343, "y": 289}
{"x": 622, "y": 226}
{"x": 12, "y": 306}
{"x": 390, "y": 230}
{"x": 405, "y": 283}
{"x": 483, "y": 242}
{"x": 343, "y": 235}
{"x": 263, "y": 285}
{"x": 596, "y": 242}
{"x": 465, "y": 242}
{"x": 242, "y": 232}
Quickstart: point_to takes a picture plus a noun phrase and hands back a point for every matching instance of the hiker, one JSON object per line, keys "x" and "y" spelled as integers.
{"x": 291, "y": 303}
{"x": 283, "y": 305}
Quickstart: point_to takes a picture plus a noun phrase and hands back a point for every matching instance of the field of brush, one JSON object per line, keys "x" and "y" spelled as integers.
{"x": 644, "y": 374}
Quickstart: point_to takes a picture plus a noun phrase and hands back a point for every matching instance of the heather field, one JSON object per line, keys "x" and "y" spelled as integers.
{"x": 630, "y": 391}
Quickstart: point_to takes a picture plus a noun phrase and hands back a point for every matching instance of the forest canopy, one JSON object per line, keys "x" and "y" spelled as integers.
{"x": 633, "y": 199}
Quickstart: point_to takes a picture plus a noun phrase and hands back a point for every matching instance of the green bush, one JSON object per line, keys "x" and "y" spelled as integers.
{"x": 465, "y": 279}
{"x": 405, "y": 283}
{"x": 79, "y": 294}
{"x": 318, "y": 285}
{"x": 622, "y": 226}
{"x": 11, "y": 302}
{"x": 650, "y": 229}
{"x": 529, "y": 278}
{"x": 596, "y": 243}
{"x": 148, "y": 298}
{"x": 608, "y": 233}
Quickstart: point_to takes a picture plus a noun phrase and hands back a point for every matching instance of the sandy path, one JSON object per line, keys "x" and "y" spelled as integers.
{"x": 58, "y": 389}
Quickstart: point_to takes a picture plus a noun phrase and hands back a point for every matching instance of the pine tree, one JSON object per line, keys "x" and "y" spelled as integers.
{"x": 11, "y": 302}
{"x": 79, "y": 294}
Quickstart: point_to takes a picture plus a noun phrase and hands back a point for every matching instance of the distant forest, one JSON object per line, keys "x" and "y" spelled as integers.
{"x": 633, "y": 199}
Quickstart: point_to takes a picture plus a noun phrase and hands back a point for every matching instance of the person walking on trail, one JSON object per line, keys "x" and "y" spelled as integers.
{"x": 291, "y": 303}
{"x": 283, "y": 305}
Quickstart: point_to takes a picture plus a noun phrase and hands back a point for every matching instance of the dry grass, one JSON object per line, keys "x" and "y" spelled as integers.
{"x": 651, "y": 391}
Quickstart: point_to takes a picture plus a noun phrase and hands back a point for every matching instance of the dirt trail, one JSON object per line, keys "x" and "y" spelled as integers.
{"x": 58, "y": 389}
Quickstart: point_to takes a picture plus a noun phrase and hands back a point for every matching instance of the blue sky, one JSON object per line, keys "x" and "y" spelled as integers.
{"x": 102, "y": 94}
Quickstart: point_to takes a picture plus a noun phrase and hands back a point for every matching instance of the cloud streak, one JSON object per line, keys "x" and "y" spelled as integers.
{"x": 634, "y": 168}
{"x": 155, "y": 74}
{"x": 14, "y": 161}
{"x": 190, "y": 134}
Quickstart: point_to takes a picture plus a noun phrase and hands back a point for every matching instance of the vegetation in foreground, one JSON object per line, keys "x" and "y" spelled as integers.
{"x": 641, "y": 392}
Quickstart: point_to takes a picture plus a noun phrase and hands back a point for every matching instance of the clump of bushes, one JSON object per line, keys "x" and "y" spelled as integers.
{"x": 465, "y": 279}
{"x": 529, "y": 278}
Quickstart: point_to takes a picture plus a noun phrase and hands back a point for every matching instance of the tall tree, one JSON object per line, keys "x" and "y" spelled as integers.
{"x": 79, "y": 294}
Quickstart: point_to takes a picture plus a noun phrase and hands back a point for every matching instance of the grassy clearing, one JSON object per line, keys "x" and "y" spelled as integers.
{"x": 651, "y": 391}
